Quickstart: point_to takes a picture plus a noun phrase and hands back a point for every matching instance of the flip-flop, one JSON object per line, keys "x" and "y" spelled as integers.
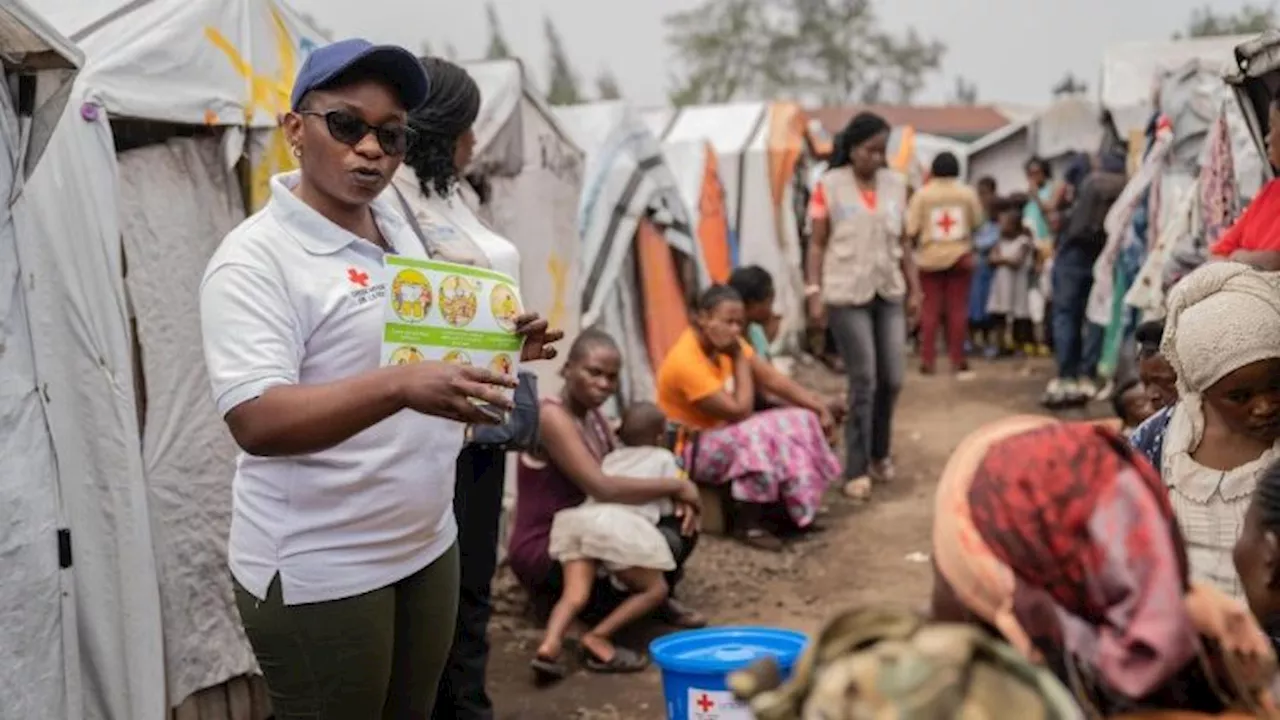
{"x": 760, "y": 539}
{"x": 548, "y": 670}
{"x": 676, "y": 614}
{"x": 623, "y": 662}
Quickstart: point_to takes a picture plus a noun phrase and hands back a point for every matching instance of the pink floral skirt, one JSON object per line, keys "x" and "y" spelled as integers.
{"x": 775, "y": 455}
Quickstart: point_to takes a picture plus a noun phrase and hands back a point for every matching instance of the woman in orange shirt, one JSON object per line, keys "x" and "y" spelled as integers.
{"x": 706, "y": 387}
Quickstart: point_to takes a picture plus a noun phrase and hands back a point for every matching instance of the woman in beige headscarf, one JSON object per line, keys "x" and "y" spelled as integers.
{"x": 1222, "y": 337}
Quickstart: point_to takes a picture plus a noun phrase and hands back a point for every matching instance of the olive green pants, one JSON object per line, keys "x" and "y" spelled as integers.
{"x": 377, "y": 655}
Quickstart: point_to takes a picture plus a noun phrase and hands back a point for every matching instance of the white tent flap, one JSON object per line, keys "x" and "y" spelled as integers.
{"x": 177, "y": 202}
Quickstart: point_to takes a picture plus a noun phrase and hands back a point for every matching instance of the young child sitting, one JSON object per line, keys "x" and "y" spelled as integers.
{"x": 622, "y": 542}
{"x": 1131, "y": 405}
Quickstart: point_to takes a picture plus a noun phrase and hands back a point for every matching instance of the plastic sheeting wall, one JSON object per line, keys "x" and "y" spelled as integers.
{"x": 176, "y": 203}
{"x": 31, "y": 627}
{"x": 69, "y": 251}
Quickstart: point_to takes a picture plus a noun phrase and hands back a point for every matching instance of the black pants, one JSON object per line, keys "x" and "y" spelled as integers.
{"x": 477, "y": 503}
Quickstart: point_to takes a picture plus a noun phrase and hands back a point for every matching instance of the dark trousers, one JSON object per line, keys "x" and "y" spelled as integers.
{"x": 477, "y": 503}
{"x": 946, "y": 294}
{"x": 1077, "y": 344}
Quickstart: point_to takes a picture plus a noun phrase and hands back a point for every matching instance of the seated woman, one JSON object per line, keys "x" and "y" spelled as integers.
{"x": 575, "y": 438}
{"x": 706, "y": 387}
{"x": 1222, "y": 339}
{"x": 1060, "y": 538}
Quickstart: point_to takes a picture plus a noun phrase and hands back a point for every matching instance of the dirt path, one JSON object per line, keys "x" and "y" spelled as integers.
{"x": 860, "y": 557}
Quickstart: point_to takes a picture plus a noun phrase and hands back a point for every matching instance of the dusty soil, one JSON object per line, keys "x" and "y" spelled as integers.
{"x": 868, "y": 554}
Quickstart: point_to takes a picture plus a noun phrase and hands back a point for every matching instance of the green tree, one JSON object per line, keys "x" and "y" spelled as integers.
{"x": 563, "y": 86}
{"x": 833, "y": 51}
{"x": 498, "y": 47}
{"x": 607, "y": 86}
{"x": 1248, "y": 20}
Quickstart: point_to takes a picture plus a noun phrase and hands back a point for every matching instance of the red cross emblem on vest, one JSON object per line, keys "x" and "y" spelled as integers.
{"x": 705, "y": 703}
{"x": 946, "y": 222}
{"x": 358, "y": 278}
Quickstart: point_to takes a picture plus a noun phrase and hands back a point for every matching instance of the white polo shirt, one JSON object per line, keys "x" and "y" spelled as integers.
{"x": 290, "y": 298}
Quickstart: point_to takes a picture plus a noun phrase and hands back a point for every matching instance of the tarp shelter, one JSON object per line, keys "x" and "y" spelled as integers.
{"x": 697, "y": 171}
{"x": 214, "y": 63}
{"x": 80, "y": 635}
{"x": 534, "y": 175}
{"x": 190, "y": 86}
{"x": 1071, "y": 124}
{"x": 640, "y": 265}
{"x": 1131, "y": 72}
{"x": 762, "y": 151}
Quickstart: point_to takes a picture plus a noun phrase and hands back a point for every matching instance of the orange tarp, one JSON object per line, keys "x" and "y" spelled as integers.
{"x": 713, "y": 226}
{"x": 788, "y": 129}
{"x": 662, "y": 294}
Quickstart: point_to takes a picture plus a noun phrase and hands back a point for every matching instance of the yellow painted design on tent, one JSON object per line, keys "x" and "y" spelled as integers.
{"x": 266, "y": 93}
{"x": 559, "y": 270}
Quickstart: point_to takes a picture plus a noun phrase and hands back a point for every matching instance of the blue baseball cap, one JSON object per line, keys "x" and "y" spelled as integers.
{"x": 394, "y": 64}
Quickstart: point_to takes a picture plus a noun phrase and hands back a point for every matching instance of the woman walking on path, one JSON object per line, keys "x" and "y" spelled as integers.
{"x": 862, "y": 279}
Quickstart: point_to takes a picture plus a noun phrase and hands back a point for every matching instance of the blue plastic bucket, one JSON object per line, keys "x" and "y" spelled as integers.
{"x": 694, "y": 664}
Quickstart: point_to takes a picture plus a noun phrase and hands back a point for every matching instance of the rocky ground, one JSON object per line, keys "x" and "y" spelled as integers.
{"x": 877, "y": 553}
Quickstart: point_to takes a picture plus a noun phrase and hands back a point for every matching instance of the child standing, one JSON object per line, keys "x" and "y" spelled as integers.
{"x": 980, "y": 334}
{"x": 1013, "y": 260}
{"x": 622, "y": 542}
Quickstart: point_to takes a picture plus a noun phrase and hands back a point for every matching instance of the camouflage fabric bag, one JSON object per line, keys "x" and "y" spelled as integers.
{"x": 887, "y": 664}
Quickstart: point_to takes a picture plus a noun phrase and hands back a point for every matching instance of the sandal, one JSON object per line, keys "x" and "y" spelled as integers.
{"x": 623, "y": 662}
{"x": 858, "y": 489}
{"x": 678, "y": 615}
{"x": 548, "y": 670}
{"x": 760, "y": 539}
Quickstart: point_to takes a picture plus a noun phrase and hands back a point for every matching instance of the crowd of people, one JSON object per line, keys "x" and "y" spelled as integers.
{"x": 367, "y": 498}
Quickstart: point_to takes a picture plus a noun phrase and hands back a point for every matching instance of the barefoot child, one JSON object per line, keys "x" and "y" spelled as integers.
{"x": 1013, "y": 261}
{"x": 622, "y": 542}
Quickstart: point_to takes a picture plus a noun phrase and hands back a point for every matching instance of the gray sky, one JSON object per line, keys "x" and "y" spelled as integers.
{"x": 1013, "y": 49}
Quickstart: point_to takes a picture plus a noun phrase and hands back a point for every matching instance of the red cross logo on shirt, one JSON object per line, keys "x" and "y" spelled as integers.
{"x": 357, "y": 277}
{"x": 945, "y": 223}
{"x": 705, "y": 703}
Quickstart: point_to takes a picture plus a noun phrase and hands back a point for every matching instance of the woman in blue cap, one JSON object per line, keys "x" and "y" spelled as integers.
{"x": 343, "y": 538}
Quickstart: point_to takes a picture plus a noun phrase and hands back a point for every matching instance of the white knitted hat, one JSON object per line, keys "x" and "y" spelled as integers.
{"x": 1222, "y": 317}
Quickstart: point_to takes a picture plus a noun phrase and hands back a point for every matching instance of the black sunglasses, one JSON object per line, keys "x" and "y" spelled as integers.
{"x": 350, "y": 130}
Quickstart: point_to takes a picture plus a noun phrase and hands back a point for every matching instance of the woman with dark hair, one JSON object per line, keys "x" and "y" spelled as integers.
{"x": 441, "y": 208}
{"x": 1043, "y": 197}
{"x": 707, "y": 388}
{"x": 343, "y": 545}
{"x": 561, "y": 472}
{"x": 942, "y": 219}
{"x": 862, "y": 278}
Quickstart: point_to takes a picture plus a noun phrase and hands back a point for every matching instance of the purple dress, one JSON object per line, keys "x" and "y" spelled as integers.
{"x": 541, "y": 492}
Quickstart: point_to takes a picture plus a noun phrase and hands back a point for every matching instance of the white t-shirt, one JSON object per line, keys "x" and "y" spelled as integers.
{"x": 290, "y": 298}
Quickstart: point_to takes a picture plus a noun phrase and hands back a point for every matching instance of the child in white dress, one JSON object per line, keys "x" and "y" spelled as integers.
{"x": 1013, "y": 262}
{"x": 623, "y": 536}
{"x": 619, "y": 541}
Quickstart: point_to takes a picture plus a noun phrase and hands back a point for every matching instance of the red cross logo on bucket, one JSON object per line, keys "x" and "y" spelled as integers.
{"x": 948, "y": 223}
{"x": 358, "y": 278}
{"x": 705, "y": 703}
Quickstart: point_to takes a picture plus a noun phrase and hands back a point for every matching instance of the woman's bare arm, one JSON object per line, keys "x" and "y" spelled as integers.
{"x": 1265, "y": 260}
{"x": 775, "y": 384}
{"x": 741, "y": 403}
{"x": 566, "y": 449}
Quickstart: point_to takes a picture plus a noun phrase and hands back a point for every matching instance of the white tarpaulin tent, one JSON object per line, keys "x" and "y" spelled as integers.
{"x": 228, "y": 66}
{"x": 535, "y": 175}
{"x": 759, "y": 146}
{"x": 80, "y": 636}
{"x": 228, "y": 63}
{"x": 1130, "y": 73}
{"x": 626, "y": 181}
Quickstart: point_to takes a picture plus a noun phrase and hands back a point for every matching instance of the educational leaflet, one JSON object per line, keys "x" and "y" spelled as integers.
{"x": 452, "y": 313}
